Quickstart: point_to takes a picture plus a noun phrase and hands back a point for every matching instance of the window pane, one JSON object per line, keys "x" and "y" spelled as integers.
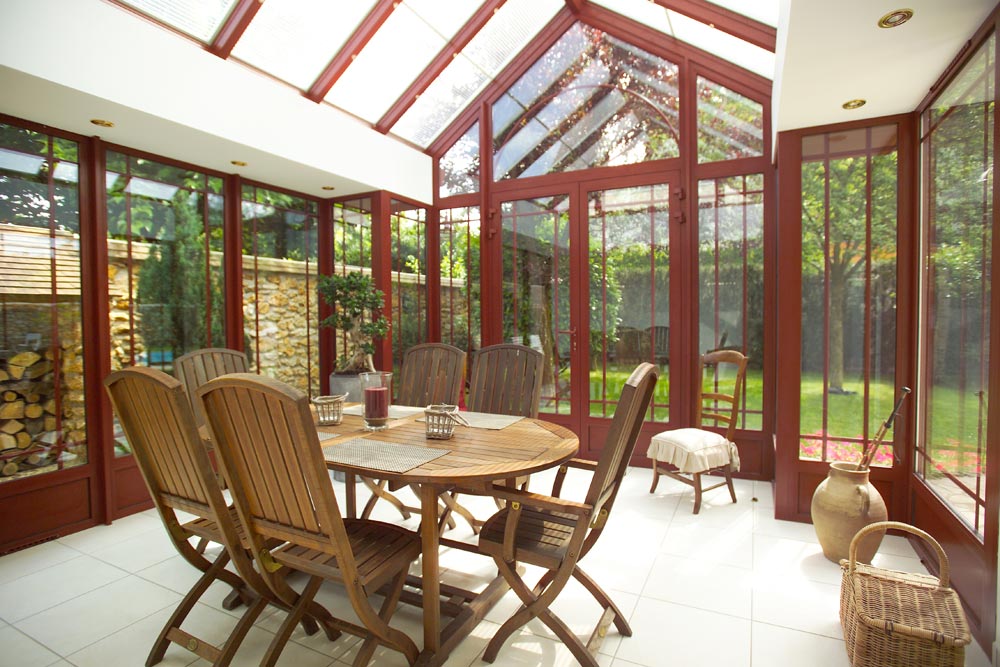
{"x": 458, "y": 169}
{"x": 165, "y": 277}
{"x": 731, "y": 279}
{"x": 590, "y": 101}
{"x": 511, "y": 27}
{"x": 629, "y": 293}
{"x": 295, "y": 39}
{"x": 352, "y": 247}
{"x": 460, "y": 293}
{"x": 408, "y": 226}
{"x": 952, "y": 449}
{"x": 697, "y": 34}
{"x": 199, "y": 18}
{"x": 280, "y": 306}
{"x": 730, "y": 125}
{"x": 41, "y": 335}
{"x": 536, "y": 298}
{"x": 849, "y": 226}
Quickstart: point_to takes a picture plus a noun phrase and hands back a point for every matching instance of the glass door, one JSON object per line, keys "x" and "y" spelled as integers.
{"x": 536, "y": 290}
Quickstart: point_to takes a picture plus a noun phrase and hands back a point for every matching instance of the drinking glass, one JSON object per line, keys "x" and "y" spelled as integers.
{"x": 376, "y": 390}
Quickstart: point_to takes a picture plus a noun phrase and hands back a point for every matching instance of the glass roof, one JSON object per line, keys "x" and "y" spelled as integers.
{"x": 199, "y": 18}
{"x": 296, "y": 40}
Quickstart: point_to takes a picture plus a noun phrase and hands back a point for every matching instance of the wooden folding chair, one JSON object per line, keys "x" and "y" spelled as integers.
{"x": 270, "y": 452}
{"x": 431, "y": 373}
{"x": 506, "y": 380}
{"x": 556, "y": 534}
{"x": 155, "y": 415}
{"x": 196, "y": 368}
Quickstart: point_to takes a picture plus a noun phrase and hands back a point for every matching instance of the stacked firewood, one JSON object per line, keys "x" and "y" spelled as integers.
{"x": 28, "y": 409}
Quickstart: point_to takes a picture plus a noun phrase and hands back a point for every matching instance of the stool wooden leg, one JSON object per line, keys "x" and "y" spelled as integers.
{"x": 656, "y": 477}
{"x": 697, "y": 492}
{"x": 729, "y": 481}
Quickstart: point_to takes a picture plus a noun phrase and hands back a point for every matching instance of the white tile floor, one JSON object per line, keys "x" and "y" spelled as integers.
{"x": 731, "y": 586}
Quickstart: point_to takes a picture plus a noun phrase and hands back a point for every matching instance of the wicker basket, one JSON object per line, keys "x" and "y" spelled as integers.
{"x": 441, "y": 420}
{"x": 900, "y": 619}
{"x": 329, "y": 409}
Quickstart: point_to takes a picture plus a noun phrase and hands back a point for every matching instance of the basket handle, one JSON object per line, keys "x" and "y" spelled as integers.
{"x": 942, "y": 558}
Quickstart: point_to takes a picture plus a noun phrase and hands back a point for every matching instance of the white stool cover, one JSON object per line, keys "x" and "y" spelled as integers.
{"x": 693, "y": 450}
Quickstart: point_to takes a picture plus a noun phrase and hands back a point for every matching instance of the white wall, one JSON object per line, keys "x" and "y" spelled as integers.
{"x": 63, "y": 62}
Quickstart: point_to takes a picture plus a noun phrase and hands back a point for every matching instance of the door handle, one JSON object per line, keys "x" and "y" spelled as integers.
{"x": 572, "y": 337}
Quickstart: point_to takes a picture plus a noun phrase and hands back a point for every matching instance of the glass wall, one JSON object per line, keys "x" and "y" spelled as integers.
{"x": 849, "y": 232}
{"x": 165, "y": 273}
{"x": 280, "y": 306}
{"x": 731, "y": 278}
{"x": 958, "y": 153}
{"x": 352, "y": 246}
{"x": 461, "y": 307}
{"x": 408, "y": 227}
{"x": 42, "y": 407}
{"x": 629, "y": 293}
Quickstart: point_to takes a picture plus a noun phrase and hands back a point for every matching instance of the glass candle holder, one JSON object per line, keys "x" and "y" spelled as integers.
{"x": 376, "y": 391}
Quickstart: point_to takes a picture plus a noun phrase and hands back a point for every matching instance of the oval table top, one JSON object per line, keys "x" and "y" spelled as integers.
{"x": 476, "y": 456}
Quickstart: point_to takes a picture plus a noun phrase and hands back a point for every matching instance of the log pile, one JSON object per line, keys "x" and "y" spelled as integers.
{"x": 29, "y": 424}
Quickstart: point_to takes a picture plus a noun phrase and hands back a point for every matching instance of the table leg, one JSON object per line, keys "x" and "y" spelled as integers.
{"x": 352, "y": 495}
{"x": 429, "y": 560}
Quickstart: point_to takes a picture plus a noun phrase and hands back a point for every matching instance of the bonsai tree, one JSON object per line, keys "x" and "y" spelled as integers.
{"x": 357, "y": 311}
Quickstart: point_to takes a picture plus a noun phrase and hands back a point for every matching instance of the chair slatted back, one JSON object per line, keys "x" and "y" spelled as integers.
{"x": 431, "y": 373}
{"x": 155, "y": 415}
{"x": 715, "y": 408}
{"x": 506, "y": 380}
{"x": 196, "y": 368}
{"x": 622, "y": 436}
{"x": 265, "y": 436}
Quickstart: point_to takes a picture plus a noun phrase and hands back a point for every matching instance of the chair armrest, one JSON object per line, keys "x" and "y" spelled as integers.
{"x": 541, "y": 501}
{"x": 581, "y": 464}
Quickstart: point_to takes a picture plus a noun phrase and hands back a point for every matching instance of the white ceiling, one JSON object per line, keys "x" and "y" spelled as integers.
{"x": 164, "y": 93}
{"x": 832, "y": 52}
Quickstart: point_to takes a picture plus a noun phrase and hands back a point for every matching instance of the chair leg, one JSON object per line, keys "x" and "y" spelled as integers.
{"x": 729, "y": 481}
{"x": 656, "y": 477}
{"x": 379, "y": 490}
{"x": 385, "y": 613}
{"x": 697, "y": 492}
{"x": 450, "y": 500}
{"x": 602, "y": 599}
{"x": 295, "y": 614}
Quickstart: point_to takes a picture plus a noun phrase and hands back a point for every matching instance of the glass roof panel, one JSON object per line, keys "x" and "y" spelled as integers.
{"x": 695, "y": 33}
{"x": 458, "y": 169}
{"x": 423, "y": 27}
{"x": 763, "y": 11}
{"x": 295, "y": 40}
{"x": 730, "y": 125}
{"x": 591, "y": 100}
{"x": 199, "y": 18}
{"x": 506, "y": 33}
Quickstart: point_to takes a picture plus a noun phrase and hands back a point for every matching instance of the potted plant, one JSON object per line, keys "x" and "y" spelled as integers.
{"x": 357, "y": 311}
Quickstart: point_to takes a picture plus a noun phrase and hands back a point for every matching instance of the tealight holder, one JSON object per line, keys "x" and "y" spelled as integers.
{"x": 329, "y": 409}
{"x": 440, "y": 420}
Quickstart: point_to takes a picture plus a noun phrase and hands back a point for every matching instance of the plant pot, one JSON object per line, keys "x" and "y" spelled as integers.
{"x": 844, "y": 503}
{"x": 344, "y": 383}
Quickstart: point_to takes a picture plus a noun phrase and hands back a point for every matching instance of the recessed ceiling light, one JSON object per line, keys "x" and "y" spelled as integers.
{"x": 854, "y": 104}
{"x": 329, "y": 187}
{"x": 896, "y": 18}
{"x": 238, "y": 163}
{"x": 101, "y": 122}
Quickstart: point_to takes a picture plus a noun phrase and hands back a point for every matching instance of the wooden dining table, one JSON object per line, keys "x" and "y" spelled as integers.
{"x": 475, "y": 459}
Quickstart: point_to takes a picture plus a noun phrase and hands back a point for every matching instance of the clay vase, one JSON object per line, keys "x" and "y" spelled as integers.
{"x": 844, "y": 503}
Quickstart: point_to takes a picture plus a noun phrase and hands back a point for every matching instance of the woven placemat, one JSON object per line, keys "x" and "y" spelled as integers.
{"x": 378, "y": 455}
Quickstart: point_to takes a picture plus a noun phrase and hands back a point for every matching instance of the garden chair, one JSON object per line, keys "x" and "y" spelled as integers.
{"x": 557, "y": 534}
{"x": 698, "y": 451}
{"x": 270, "y": 451}
{"x": 506, "y": 380}
{"x": 155, "y": 415}
{"x": 196, "y": 368}
{"x": 431, "y": 373}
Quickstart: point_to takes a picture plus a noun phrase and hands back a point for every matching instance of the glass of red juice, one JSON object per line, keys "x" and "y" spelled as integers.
{"x": 376, "y": 391}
